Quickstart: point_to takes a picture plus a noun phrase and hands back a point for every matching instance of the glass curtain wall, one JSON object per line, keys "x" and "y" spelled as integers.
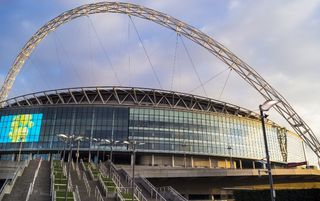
{"x": 162, "y": 130}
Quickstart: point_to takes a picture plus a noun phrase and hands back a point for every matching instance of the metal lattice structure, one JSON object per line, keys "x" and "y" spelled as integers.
{"x": 225, "y": 55}
{"x": 128, "y": 96}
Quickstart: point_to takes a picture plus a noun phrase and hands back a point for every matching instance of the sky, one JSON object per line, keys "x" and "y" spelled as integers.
{"x": 279, "y": 39}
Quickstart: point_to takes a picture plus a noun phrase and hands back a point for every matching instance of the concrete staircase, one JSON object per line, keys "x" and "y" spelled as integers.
{"x": 41, "y": 189}
{"x": 78, "y": 181}
{"x": 21, "y": 187}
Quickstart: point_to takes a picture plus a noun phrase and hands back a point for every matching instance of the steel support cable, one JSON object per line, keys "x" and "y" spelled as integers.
{"x": 146, "y": 53}
{"x": 104, "y": 51}
{"x": 225, "y": 84}
{"x": 129, "y": 53}
{"x": 209, "y": 80}
{"x": 245, "y": 71}
{"x": 58, "y": 40}
{"x": 90, "y": 51}
{"x": 193, "y": 66}
{"x": 174, "y": 59}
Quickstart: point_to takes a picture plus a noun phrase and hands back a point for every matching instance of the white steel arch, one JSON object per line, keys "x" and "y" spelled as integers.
{"x": 217, "y": 49}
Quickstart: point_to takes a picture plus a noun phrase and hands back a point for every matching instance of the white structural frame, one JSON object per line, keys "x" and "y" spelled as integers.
{"x": 195, "y": 35}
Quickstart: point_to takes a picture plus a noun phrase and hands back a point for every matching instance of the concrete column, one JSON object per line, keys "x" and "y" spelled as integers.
{"x": 192, "y": 161}
{"x": 172, "y": 160}
{"x": 210, "y": 165}
{"x": 152, "y": 160}
{"x": 240, "y": 162}
{"x": 253, "y": 165}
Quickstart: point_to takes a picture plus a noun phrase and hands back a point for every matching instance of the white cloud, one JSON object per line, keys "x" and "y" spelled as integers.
{"x": 280, "y": 39}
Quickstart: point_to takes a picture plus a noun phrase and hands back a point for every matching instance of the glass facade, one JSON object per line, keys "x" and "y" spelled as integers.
{"x": 161, "y": 129}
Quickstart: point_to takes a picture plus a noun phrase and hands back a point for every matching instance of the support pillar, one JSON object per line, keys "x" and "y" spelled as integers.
{"x": 172, "y": 160}
{"x": 152, "y": 160}
{"x": 192, "y": 165}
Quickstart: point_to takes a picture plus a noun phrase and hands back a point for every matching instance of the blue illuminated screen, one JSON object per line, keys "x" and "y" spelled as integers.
{"x": 20, "y": 128}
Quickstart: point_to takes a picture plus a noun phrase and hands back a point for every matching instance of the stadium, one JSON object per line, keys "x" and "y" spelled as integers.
{"x": 170, "y": 124}
{"x": 133, "y": 143}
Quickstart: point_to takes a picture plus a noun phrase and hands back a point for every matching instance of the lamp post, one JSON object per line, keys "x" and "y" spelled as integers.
{"x": 69, "y": 138}
{"x": 133, "y": 144}
{"x": 265, "y": 107}
{"x": 230, "y": 154}
{"x": 78, "y": 139}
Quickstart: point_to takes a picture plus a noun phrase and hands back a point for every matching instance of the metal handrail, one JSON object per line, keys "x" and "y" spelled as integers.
{"x": 4, "y": 184}
{"x": 70, "y": 183}
{"x": 138, "y": 193}
{"x": 115, "y": 176}
{"x": 173, "y": 191}
{"x": 64, "y": 169}
{"x": 54, "y": 196}
{"x": 78, "y": 171}
{"x": 30, "y": 191}
{"x": 90, "y": 173}
{"x": 102, "y": 184}
{"x": 77, "y": 194}
{"x": 97, "y": 194}
{"x": 157, "y": 195}
{"x": 82, "y": 164}
{"x": 72, "y": 164}
{"x": 137, "y": 190}
{"x": 85, "y": 180}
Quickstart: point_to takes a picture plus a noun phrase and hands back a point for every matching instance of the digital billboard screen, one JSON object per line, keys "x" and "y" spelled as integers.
{"x": 20, "y": 128}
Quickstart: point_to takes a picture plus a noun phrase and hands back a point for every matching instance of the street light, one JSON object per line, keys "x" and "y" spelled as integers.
{"x": 69, "y": 138}
{"x": 265, "y": 107}
{"x": 230, "y": 154}
{"x": 133, "y": 144}
{"x": 78, "y": 139}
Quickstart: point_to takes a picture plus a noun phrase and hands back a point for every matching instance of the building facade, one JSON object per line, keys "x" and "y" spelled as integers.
{"x": 177, "y": 129}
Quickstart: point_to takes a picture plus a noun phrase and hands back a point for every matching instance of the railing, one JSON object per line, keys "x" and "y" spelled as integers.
{"x": 83, "y": 166}
{"x": 173, "y": 192}
{"x": 115, "y": 176}
{"x": 103, "y": 170}
{"x": 90, "y": 173}
{"x": 29, "y": 191}
{"x": 4, "y": 184}
{"x": 137, "y": 190}
{"x": 97, "y": 194}
{"x": 85, "y": 180}
{"x": 15, "y": 175}
{"x": 2, "y": 192}
{"x": 152, "y": 190}
{"x": 9, "y": 183}
{"x": 72, "y": 164}
{"x": 138, "y": 193}
{"x": 78, "y": 171}
{"x": 76, "y": 194}
{"x": 64, "y": 168}
{"x": 33, "y": 181}
{"x": 102, "y": 184}
{"x": 54, "y": 195}
{"x": 70, "y": 182}
{"x": 52, "y": 184}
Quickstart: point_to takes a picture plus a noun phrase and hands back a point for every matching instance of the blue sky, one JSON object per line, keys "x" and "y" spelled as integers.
{"x": 279, "y": 39}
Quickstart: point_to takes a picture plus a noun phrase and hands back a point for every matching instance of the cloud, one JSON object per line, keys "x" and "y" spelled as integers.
{"x": 279, "y": 39}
